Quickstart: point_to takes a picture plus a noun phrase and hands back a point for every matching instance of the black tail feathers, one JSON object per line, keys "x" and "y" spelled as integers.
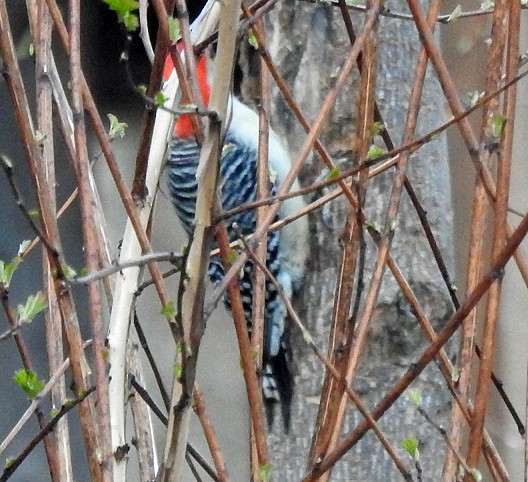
{"x": 278, "y": 386}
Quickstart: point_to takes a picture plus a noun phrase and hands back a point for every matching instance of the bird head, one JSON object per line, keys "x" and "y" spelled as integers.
{"x": 183, "y": 127}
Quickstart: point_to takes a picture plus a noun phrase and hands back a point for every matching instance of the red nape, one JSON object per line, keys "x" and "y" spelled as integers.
{"x": 183, "y": 127}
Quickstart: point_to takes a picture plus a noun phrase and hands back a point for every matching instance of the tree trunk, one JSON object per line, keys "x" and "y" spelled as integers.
{"x": 308, "y": 42}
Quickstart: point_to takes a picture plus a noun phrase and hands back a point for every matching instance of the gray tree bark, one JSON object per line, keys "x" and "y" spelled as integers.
{"x": 308, "y": 42}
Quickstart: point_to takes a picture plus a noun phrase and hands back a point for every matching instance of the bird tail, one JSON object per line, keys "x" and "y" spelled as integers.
{"x": 278, "y": 386}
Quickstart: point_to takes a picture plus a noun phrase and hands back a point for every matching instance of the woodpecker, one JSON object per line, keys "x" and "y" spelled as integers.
{"x": 286, "y": 249}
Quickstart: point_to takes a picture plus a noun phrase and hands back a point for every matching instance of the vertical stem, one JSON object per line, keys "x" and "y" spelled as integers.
{"x": 499, "y": 30}
{"x": 50, "y": 228}
{"x": 192, "y": 299}
{"x": 210, "y": 435}
{"x": 54, "y": 341}
{"x": 81, "y": 163}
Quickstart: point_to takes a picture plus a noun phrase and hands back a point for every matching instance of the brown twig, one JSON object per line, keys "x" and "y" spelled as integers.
{"x": 472, "y": 299}
{"x": 301, "y": 157}
{"x": 140, "y": 390}
{"x": 392, "y": 155}
{"x": 327, "y": 363}
{"x": 210, "y": 435}
{"x": 41, "y": 27}
{"x": 500, "y": 28}
{"x": 332, "y": 408}
{"x": 163, "y": 42}
{"x": 190, "y": 463}
{"x": 192, "y": 315}
{"x": 50, "y": 443}
{"x": 144, "y": 394}
{"x": 91, "y": 245}
{"x": 202, "y": 462}
{"x": 66, "y": 407}
{"x": 54, "y": 379}
{"x": 444, "y": 19}
{"x": 50, "y": 228}
{"x": 247, "y": 357}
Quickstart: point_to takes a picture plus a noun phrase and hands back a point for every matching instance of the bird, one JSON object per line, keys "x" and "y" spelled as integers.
{"x": 286, "y": 248}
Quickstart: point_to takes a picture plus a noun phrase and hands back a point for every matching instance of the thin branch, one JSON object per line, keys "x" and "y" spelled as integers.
{"x": 143, "y": 440}
{"x": 152, "y": 362}
{"x": 46, "y": 79}
{"x": 301, "y": 157}
{"x": 48, "y": 218}
{"x": 144, "y": 30}
{"x": 443, "y": 336}
{"x": 117, "y": 267}
{"x": 444, "y": 18}
{"x": 7, "y": 166}
{"x": 148, "y": 399}
{"x": 36, "y": 402}
{"x": 164, "y": 420}
{"x": 192, "y": 314}
{"x": 67, "y": 407}
{"x": 203, "y": 463}
{"x": 392, "y": 155}
{"x": 190, "y": 463}
{"x": 210, "y": 435}
{"x": 49, "y": 444}
{"x": 500, "y": 29}
{"x": 328, "y": 365}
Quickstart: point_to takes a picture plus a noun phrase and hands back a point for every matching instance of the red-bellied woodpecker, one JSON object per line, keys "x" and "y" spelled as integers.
{"x": 286, "y": 249}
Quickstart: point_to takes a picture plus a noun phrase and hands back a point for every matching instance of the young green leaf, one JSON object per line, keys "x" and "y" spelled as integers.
{"x": 68, "y": 271}
{"x": 455, "y": 14}
{"x": 376, "y": 129}
{"x": 169, "y": 310}
{"x": 265, "y": 472}
{"x": 375, "y": 151}
{"x": 475, "y": 474}
{"x": 174, "y": 28}
{"x": 116, "y": 128}
{"x": 497, "y": 124}
{"x": 124, "y": 9}
{"x": 333, "y": 173}
{"x": 474, "y": 97}
{"x": 28, "y": 381}
{"x": 34, "y": 305}
{"x": 160, "y": 99}
{"x": 7, "y": 271}
{"x": 252, "y": 39}
{"x": 487, "y": 5}
{"x": 410, "y": 444}
{"x": 130, "y": 21}
{"x": 414, "y": 396}
{"x": 233, "y": 255}
{"x": 40, "y": 138}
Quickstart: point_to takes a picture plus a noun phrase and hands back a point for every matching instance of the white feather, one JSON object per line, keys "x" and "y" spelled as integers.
{"x": 294, "y": 236}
